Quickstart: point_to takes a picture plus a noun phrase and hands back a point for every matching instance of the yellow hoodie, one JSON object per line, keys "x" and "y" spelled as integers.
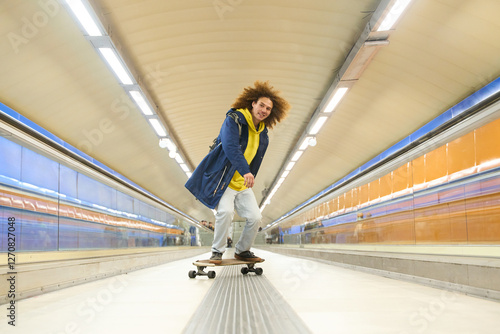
{"x": 237, "y": 182}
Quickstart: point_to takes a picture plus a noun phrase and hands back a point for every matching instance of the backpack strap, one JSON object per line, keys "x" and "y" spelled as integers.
{"x": 235, "y": 117}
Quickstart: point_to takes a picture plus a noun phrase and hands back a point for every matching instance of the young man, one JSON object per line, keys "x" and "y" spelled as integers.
{"x": 225, "y": 177}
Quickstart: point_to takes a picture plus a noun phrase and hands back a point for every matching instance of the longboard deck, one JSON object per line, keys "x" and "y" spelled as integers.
{"x": 225, "y": 262}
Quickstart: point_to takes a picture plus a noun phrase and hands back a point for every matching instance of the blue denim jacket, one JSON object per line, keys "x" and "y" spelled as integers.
{"x": 212, "y": 176}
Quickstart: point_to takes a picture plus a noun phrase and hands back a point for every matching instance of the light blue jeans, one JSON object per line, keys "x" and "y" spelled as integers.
{"x": 246, "y": 206}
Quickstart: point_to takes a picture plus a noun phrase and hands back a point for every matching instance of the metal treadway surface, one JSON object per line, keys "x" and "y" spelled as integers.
{"x": 239, "y": 303}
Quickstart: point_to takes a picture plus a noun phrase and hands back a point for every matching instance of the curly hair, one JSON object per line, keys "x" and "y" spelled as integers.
{"x": 264, "y": 89}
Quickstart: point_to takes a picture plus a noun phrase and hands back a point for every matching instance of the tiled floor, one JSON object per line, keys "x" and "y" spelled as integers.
{"x": 329, "y": 299}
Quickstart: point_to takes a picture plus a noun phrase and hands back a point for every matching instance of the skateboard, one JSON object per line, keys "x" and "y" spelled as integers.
{"x": 202, "y": 264}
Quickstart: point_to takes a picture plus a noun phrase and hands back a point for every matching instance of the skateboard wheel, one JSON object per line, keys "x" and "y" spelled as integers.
{"x": 211, "y": 274}
{"x": 259, "y": 271}
{"x": 192, "y": 274}
{"x": 244, "y": 270}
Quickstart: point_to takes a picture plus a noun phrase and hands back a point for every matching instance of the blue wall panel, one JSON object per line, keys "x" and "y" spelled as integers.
{"x": 68, "y": 184}
{"x": 92, "y": 191}
{"x": 22, "y": 168}
{"x": 10, "y": 160}
{"x": 124, "y": 202}
{"x": 39, "y": 171}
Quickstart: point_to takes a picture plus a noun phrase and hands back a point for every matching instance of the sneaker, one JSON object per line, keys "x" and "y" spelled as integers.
{"x": 248, "y": 256}
{"x": 216, "y": 258}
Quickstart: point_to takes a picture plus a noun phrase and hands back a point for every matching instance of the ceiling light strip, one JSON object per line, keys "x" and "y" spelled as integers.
{"x": 393, "y": 15}
{"x": 82, "y": 13}
{"x": 339, "y": 94}
{"x": 93, "y": 29}
{"x": 117, "y": 65}
{"x": 141, "y": 102}
{"x": 339, "y": 87}
{"x": 317, "y": 125}
{"x": 158, "y": 127}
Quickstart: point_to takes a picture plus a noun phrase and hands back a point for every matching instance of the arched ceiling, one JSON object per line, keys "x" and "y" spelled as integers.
{"x": 195, "y": 57}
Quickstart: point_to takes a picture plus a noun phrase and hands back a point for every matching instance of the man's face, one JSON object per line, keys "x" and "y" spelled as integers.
{"x": 261, "y": 109}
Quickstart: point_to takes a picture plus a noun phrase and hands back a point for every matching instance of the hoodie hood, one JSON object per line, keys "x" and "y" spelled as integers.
{"x": 251, "y": 126}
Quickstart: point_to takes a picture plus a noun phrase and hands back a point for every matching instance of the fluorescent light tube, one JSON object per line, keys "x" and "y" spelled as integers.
{"x": 305, "y": 143}
{"x": 184, "y": 168}
{"x": 116, "y": 65}
{"x": 290, "y": 166}
{"x": 317, "y": 126}
{"x": 297, "y": 155}
{"x": 160, "y": 131}
{"x": 339, "y": 94}
{"x": 178, "y": 158}
{"x": 84, "y": 17}
{"x": 285, "y": 173}
{"x": 275, "y": 189}
{"x": 141, "y": 102}
{"x": 393, "y": 15}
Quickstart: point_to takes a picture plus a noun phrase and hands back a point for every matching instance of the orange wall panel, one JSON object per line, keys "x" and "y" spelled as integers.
{"x": 483, "y": 219}
{"x": 435, "y": 164}
{"x": 458, "y": 222}
{"x": 401, "y": 178}
{"x": 334, "y": 205}
{"x": 386, "y": 185}
{"x": 348, "y": 200}
{"x": 322, "y": 210}
{"x": 341, "y": 202}
{"x": 466, "y": 213}
{"x": 374, "y": 190}
{"x": 461, "y": 153}
{"x": 418, "y": 170}
{"x": 432, "y": 225}
{"x": 355, "y": 198}
{"x": 319, "y": 211}
{"x": 363, "y": 194}
{"x": 487, "y": 145}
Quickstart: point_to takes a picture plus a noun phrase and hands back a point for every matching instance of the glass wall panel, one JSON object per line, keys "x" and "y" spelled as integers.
{"x": 449, "y": 195}
{"x": 58, "y": 208}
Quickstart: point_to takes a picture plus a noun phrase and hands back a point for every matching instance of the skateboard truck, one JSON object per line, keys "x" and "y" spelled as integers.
{"x": 201, "y": 272}
{"x": 251, "y": 269}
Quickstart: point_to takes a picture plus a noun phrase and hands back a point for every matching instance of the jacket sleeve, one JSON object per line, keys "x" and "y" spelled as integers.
{"x": 257, "y": 160}
{"x": 230, "y": 139}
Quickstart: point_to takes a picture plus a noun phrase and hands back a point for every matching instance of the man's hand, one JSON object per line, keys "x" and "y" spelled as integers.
{"x": 249, "y": 180}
